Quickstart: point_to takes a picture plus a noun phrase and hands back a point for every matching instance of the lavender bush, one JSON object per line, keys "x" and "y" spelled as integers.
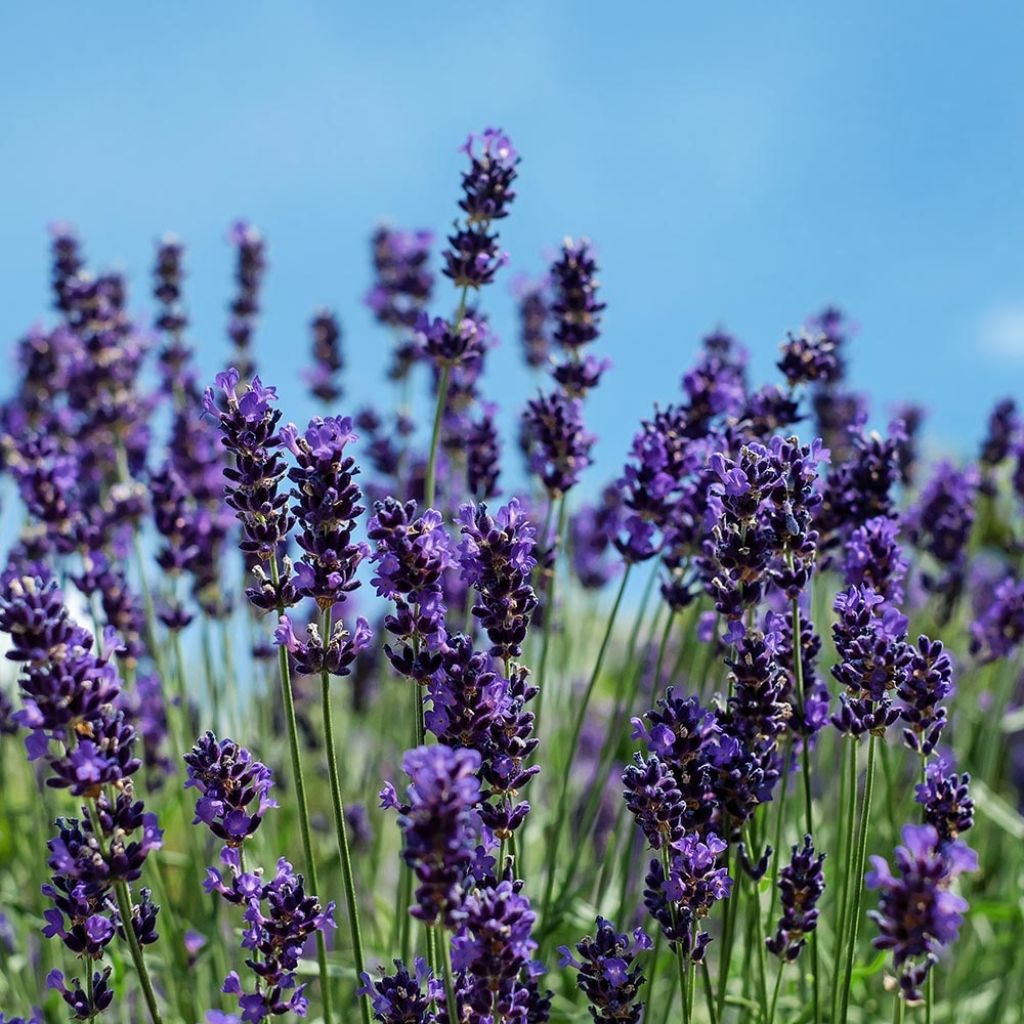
{"x": 733, "y": 736}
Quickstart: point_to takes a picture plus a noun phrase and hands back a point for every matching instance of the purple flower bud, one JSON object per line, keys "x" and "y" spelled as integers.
{"x": 801, "y": 883}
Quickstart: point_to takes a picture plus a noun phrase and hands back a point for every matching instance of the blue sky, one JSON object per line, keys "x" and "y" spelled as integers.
{"x": 738, "y": 164}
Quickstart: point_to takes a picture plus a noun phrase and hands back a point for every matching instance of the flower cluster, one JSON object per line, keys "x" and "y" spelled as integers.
{"x": 250, "y": 266}
{"x": 918, "y": 914}
{"x": 322, "y": 377}
{"x": 608, "y": 973}
{"x": 801, "y": 884}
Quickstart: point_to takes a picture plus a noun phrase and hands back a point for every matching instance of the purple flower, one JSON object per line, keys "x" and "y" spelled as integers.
{"x": 654, "y": 799}
{"x": 250, "y": 266}
{"x": 917, "y": 914}
{"x": 440, "y": 827}
{"x": 810, "y": 358}
{"x": 859, "y": 487}
{"x": 445, "y": 344}
{"x": 403, "y": 997}
{"x": 234, "y": 788}
{"x": 248, "y": 424}
{"x": 533, "y": 317}
{"x": 1003, "y": 436}
{"x": 280, "y": 917}
{"x": 591, "y": 531}
{"x": 472, "y": 257}
{"x": 322, "y": 377}
{"x": 411, "y": 557}
{"x": 82, "y": 1008}
{"x": 874, "y": 558}
{"x": 680, "y": 899}
{"x": 497, "y": 559}
{"x": 874, "y": 659}
{"x": 946, "y": 798}
{"x": 928, "y": 682}
{"x": 309, "y": 657}
{"x": 483, "y": 456}
{"x": 326, "y": 505}
{"x": 402, "y": 278}
{"x": 608, "y": 974}
{"x": 999, "y": 629}
{"x": 801, "y": 883}
{"x": 555, "y": 441}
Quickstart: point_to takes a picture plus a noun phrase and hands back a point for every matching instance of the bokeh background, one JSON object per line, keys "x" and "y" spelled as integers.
{"x": 736, "y": 164}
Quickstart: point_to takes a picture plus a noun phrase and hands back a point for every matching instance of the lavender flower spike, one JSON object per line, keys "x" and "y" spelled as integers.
{"x": 918, "y": 915}
{"x": 801, "y": 884}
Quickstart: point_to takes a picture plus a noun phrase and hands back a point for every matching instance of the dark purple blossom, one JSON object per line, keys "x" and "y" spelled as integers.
{"x": 999, "y": 629}
{"x": 322, "y": 377}
{"x": 250, "y": 266}
{"x": 608, "y": 973}
{"x": 403, "y": 997}
{"x": 76, "y": 996}
{"x": 326, "y": 506}
{"x": 918, "y": 915}
{"x": 874, "y": 558}
{"x": 533, "y": 318}
{"x": 556, "y": 442}
{"x": 679, "y": 900}
{"x": 939, "y": 524}
{"x": 248, "y": 424}
{"x": 809, "y": 358}
{"x": 946, "y": 798}
{"x": 402, "y": 277}
{"x": 801, "y": 883}
{"x": 440, "y": 827}
{"x": 927, "y": 682}
{"x": 497, "y": 560}
{"x": 233, "y": 788}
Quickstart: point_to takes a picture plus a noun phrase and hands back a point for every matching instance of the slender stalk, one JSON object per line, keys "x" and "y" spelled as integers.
{"x": 452, "y": 1005}
{"x": 709, "y": 995}
{"x": 929, "y": 996}
{"x": 339, "y": 823}
{"x": 549, "y": 614}
{"x": 563, "y": 800}
{"x": 846, "y": 853}
{"x": 652, "y": 974}
{"x": 897, "y": 1010}
{"x": 728, "y": 931}
{"x": 430, "y": 487}
{"x": 857, "y": 881}
{"x": 299, "y": 781}
{"x": 775, "y": 992}
{"x": 805, "y": 764}
{"x": 124, "y": 907}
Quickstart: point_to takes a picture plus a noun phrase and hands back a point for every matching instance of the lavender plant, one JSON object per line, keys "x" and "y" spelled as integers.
{"x": 772, "y": 663}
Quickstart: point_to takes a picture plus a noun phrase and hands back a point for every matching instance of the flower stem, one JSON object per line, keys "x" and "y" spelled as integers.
{"x": 846, "y": 848}
{"x": 298, "y": 780}
{"x": 805, "y": 764}
{"x": 430, "y": 487}
{"x": 339, "y": 823}
{"x": 451, "y": 1004}
{"x": 549, "y": 614}
{"x": 857, "y": 880}
{"x": 561, "y": 812}
{"x": 124, "y": 906}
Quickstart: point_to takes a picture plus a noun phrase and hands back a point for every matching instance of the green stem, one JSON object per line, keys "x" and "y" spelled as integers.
{"x": 124, "y": 906}
{"x": 805, "y": 764}
{"x": 430, "y": 487}
{"x": 846, "y": 853}
{"x": 452, "y": 1005}
{"x": 339, "y": 822}
{"x": 709, "y": 996}
{"x": 897, "y": 1010}
{"x": 725, "y": 955}
{"x": 563, "y": 800}
{"x": 775, "y": 992}
{"x": 652, "y": 974}
{"x": 857, "y": 880}
{"x": 299, "y": 781}
{"x": 549, "y": 614}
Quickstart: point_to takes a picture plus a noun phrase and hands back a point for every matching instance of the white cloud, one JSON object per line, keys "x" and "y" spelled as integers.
{"x": 1002, "y": 333}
